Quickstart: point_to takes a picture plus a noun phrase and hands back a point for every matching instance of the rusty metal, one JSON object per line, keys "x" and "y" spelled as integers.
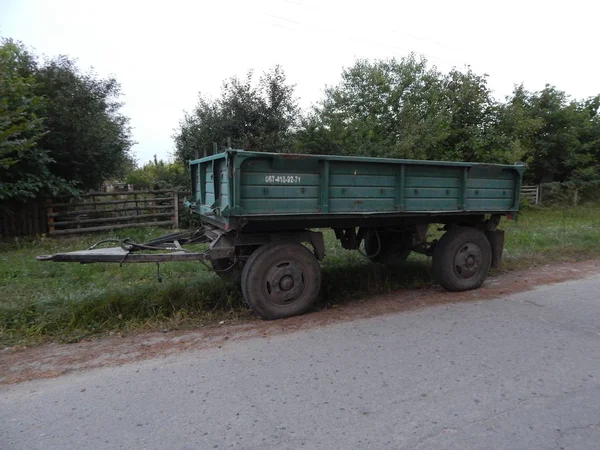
{"x": 121, "y": 256}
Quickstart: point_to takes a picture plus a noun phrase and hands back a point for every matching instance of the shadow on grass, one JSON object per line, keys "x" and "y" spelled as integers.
{"x": 344, "y": 284}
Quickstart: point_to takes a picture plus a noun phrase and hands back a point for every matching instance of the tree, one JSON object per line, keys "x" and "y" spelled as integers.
{"x": 258, "y": 117}
{"x": 384, "y": 108}
{"x": 88, "y": 138}
{"x": 24, "y": 166}
{"x": 566, "y": 146}
{"x": 558, "y": 137}
{"x": 404, "y": 109}
{"x": 516, "y": 127}
{"x": 60, "y": 129}
{"x": 472, "y": 114}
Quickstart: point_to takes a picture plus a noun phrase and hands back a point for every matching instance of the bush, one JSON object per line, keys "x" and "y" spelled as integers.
{"x": 571, "y": 193}
{"x": 160, "y": 175}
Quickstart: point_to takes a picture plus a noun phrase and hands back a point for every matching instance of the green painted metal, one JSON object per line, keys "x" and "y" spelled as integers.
{"x": 234, "y": 187}
{"x": 324, "y": 187}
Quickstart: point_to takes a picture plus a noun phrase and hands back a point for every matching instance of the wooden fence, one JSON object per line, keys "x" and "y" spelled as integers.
{"x": 532, "y": 193}
{"x": 23, "y": 218}
{"x": 101, "y": 211}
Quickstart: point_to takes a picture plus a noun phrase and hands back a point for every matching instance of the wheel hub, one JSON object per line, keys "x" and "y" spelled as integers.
{"x": 284, "y": 282}
{"x": 468, "y": 260}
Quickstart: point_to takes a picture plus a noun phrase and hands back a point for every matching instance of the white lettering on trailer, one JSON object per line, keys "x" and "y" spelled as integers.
{"x": 285, "y": 179}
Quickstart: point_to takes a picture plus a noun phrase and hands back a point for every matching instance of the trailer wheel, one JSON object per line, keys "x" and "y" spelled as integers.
{"x": 386, "y": 247}
{"x": 461, "y": 259}
{"x": 281, "y": 280}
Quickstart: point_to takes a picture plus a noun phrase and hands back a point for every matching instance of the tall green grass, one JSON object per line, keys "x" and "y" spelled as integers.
{"x": 64, "y": 301}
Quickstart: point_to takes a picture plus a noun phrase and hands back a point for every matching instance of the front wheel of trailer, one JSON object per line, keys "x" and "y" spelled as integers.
{"x": 281, "y": 280}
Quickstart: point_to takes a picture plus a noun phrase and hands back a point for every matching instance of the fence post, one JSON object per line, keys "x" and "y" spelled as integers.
{"x": 154, "y": 210}
{"x": 49, "y": 216}
{"x": 175, "y": 209}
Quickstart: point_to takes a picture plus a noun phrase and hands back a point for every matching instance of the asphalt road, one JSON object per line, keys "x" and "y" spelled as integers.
{"x": 521, "y": 372}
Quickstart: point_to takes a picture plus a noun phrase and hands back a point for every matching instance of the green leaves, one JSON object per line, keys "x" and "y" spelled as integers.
{"x": 561, "y": 136}
{"x": 60, "y": 129}
{"x": 160, "y": 175}
{"x": 407, "y": 109}
{"x": 258, "y": 117}
{"x": 23, "y": 165}
{"x": 402, "y": 109}
{"x": 89, "y": 139}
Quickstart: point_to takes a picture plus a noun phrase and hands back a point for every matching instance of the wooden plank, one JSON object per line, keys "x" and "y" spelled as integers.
{"x": 110, "y": 227}
{"x": 113, "y": 202}
{"x": 108, "y": 194}
{"x": 35, "y": 217}
{"x": 42, "y": 219}
{"x": 27, "y": 218}
{"x": 49, "y": 211}
{"x": 175, "y": 216}
{"x": 107, "y": 211}
{"x": 111, "y": 219}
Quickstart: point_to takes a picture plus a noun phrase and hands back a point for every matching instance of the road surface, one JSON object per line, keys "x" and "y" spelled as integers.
{"x": 520, "y": 372}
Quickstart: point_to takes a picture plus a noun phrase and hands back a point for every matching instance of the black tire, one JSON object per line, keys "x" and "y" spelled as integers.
{"x": 461, "y": 259}
{"x": 281, "y": 280}
{"x": 384, "y": 247}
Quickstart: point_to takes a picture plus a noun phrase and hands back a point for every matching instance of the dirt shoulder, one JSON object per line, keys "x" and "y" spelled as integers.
{"x": 19, "y": 364}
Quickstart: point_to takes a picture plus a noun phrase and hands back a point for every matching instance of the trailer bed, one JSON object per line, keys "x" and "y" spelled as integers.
{"x": 237, "y": 188}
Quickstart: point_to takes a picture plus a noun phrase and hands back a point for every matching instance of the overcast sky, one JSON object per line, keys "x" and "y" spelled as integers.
{"x": 163, "y": 53}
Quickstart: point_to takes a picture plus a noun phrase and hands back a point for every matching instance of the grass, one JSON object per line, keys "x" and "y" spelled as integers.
{"x": 54, "y": 301}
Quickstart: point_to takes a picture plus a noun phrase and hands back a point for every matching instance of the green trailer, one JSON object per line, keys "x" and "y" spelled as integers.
{"x": 260, "y": 209}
